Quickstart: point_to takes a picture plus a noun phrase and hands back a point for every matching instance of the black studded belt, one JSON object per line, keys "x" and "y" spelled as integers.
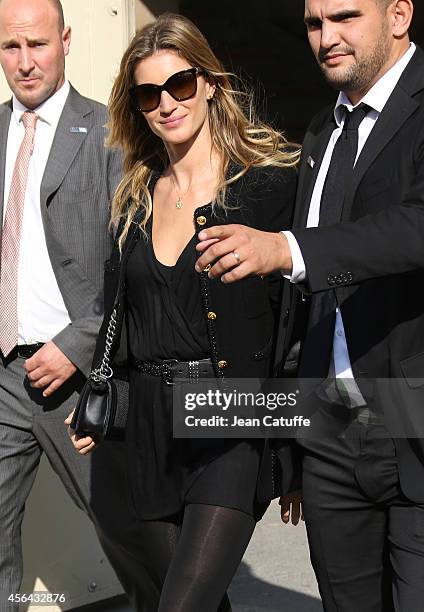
{"x": 24, "y": 350}
{"x": 170, "y": 369}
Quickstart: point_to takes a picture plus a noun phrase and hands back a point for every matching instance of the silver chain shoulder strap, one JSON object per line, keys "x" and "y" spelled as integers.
{"x": 104, "y": 371}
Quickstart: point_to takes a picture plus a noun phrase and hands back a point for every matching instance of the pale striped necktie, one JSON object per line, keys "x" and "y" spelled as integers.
{"x": 11, "y": 238}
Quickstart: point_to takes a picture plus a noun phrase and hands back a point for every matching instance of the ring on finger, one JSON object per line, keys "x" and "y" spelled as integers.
{"x": 237, "y": 256}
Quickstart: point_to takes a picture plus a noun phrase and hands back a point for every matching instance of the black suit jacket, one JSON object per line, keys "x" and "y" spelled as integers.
{"x": 374, "y": 262}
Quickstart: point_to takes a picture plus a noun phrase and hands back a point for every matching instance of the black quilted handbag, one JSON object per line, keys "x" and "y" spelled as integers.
{"x": 102, "y": 408}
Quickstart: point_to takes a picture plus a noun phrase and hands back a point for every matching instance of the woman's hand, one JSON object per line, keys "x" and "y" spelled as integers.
{"x": 291, "y": 507}
{"x": 83, "y": 445}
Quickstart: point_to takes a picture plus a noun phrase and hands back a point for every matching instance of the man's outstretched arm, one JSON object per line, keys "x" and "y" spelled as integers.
{"x": 382, "y": 244}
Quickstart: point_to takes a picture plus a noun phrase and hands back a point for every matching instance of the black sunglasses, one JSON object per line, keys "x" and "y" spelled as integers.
{"x": 181, "y": 86}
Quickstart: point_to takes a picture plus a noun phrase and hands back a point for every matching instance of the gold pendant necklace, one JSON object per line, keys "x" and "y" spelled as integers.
{"x": 179, "y": 203}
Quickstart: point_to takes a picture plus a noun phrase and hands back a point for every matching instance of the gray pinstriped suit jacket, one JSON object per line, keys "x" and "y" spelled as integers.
{"x": 76, "y": 192}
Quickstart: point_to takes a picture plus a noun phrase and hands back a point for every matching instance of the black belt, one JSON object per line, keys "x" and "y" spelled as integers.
{"x": 23, "y": 350}
{"x": 171, "y": 369}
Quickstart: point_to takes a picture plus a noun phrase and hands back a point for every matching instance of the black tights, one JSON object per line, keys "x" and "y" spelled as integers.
{"x": 192, "y": 560}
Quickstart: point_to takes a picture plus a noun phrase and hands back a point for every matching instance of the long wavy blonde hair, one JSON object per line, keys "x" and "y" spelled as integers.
{"x": 236, "y": 134}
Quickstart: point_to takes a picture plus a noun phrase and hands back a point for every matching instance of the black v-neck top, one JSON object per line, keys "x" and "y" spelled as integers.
{"x": 165, "y": 313}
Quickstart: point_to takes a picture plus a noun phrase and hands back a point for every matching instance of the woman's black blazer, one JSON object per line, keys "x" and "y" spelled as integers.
{"x": 240, "y": 317}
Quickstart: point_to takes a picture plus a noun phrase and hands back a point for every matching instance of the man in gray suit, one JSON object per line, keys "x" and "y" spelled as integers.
{"x": 56, "y": 183}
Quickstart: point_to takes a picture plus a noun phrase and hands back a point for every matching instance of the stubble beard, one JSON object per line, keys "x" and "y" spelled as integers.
{"x": 363, "y": 72}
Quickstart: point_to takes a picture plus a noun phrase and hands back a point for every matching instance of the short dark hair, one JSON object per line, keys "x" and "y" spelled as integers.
{"x": 384, "y": 3}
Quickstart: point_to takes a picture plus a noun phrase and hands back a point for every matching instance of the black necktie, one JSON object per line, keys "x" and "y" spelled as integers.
{"x": 318, "y": 343}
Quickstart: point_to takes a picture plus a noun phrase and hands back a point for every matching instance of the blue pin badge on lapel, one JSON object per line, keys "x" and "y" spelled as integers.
{"x": 78, "y": 130}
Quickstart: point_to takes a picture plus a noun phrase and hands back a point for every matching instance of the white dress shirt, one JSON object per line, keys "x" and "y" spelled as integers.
{"x": 41, "y": 309}
{"x": 376, "y": 99}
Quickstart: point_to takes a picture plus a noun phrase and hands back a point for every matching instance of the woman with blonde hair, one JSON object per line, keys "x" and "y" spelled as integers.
{"x": 194, "y": 156}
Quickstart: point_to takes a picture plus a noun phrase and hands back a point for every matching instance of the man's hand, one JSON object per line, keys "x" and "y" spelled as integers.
{"x": 49, "y": 368}
{"x": 237, "y": 251}
{"x": 83, "y": 445}
{"x": 291, "y": 507}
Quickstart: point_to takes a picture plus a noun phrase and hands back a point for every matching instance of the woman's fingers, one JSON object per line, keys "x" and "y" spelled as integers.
{"x": 291, "y": 508}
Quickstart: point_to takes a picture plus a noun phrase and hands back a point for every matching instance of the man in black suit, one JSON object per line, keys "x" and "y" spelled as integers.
{"x": 354, "y": 315}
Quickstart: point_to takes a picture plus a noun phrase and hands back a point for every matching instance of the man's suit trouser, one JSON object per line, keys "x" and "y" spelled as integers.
{"x": 366, "y": 538}
{"x": 31, "y": 424}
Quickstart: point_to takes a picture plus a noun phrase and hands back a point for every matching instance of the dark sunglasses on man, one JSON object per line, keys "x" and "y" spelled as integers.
{"x": 181, "y": 86}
